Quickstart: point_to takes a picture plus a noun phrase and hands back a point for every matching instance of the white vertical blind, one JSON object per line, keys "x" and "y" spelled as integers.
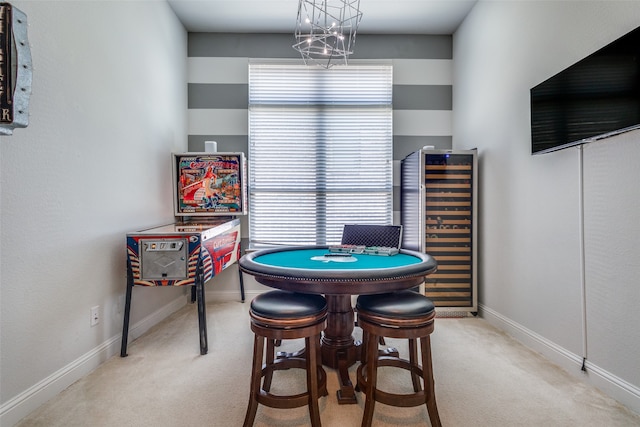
{"x": 320, "y": 151}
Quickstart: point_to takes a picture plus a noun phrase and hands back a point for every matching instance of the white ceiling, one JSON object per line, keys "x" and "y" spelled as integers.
{"x": 279, "y": 16}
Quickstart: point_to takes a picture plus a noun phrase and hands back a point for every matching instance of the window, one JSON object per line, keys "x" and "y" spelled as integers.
{"x": 320, "y": 151}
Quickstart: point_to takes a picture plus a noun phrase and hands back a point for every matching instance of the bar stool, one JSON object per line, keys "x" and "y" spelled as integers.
{"x": 279, "y": 315}
{"x": 403, "y": 314}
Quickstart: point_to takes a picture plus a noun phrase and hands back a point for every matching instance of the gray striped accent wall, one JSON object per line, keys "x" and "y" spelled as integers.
{"x": 422, "y": 88}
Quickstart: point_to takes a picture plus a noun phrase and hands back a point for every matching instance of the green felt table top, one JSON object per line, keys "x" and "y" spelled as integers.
{"x": 313, "y": 259}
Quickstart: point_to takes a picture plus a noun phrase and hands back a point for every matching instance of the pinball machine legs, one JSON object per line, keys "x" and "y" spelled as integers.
{"x": 241, "y": 284}
{"x": 197, "y": 295}
{"x": 127, "y": 310}
{"x": 202, "y": 314}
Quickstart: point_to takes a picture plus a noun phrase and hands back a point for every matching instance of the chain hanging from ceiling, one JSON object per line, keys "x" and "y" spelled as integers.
{"x": 326, "y": 31}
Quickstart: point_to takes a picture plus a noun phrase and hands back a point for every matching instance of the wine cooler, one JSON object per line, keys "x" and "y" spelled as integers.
{"x": 439, "y": 217}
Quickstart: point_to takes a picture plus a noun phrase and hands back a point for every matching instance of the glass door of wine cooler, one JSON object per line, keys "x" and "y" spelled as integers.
{"x": 439, "y": 193}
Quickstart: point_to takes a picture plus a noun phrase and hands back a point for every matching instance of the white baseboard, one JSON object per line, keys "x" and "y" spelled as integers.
{"x": 616, "y": 388}
{"x": 29, "y": 400}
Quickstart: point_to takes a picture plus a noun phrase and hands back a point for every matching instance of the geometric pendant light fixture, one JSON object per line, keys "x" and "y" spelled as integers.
{"x": 326, "y": 31}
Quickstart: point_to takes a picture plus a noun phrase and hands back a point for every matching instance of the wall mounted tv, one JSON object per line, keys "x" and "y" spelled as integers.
{"x": 594, "y": 98}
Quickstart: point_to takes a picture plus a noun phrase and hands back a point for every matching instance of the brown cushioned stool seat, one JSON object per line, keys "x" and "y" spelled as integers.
{"x": 280, "y": 315}
{"x": 403, "y": 314}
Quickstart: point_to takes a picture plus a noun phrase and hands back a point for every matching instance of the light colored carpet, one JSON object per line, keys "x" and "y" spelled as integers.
{"x": 483, "y": 378}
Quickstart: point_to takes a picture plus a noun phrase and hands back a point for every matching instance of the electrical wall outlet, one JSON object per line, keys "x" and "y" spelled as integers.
{"x": 95, "y": 315}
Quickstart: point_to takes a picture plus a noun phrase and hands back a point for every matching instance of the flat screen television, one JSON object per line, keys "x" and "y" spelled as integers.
{"x": 595, "y": 98}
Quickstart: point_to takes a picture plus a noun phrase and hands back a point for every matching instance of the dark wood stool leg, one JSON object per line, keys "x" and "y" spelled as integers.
{"x": 269, "y": 358}
{"x": 323, "y": 390}
{"x": 429, "y": 386}
{"x": 311, "y": 344}
{"x": 413, "y": 359}
{"x": 363, "y": 360}
{"x": 365, "y": 346}
{"x": 256, "y": 376}
{"x": 371, "y": 379}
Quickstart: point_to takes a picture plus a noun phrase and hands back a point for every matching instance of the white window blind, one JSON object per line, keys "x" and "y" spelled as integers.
{"x": 320, "y": 151}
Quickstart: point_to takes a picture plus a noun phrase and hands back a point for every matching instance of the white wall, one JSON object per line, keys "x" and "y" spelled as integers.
{"x": 530, "y": 272}
{"x": 108, "y": 107}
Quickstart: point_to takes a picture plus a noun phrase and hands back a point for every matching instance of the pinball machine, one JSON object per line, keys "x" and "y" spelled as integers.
{"x": 209, "y": 195}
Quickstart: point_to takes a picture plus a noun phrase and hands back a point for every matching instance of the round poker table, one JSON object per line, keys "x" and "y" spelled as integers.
{"x": 313, "y": 270}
